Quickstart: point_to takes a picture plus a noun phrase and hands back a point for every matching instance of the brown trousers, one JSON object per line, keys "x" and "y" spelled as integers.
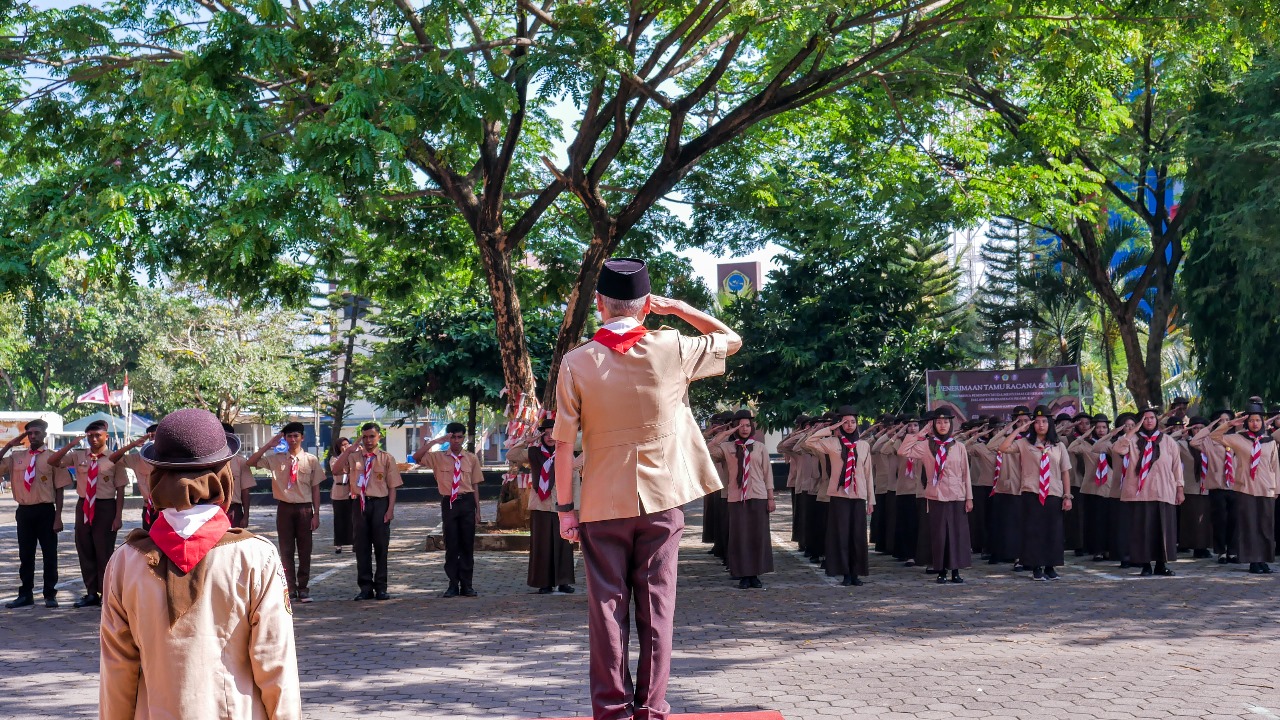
{"x": 293, "y": 529}
{"x": 624, "y": 558}
{"x": 95, "y": 543}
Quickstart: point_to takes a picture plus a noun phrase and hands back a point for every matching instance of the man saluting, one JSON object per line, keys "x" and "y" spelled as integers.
{"x": 626, "y": 390}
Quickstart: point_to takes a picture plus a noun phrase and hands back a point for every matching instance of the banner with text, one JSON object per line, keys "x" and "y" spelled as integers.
{"x": 970, "y": 393}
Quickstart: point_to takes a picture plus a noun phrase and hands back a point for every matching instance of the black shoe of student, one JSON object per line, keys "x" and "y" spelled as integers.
{"x": 1164, "y": 571}
{"x": 993, "y": 561}
{"x": 712, "y": 551}
{"x": 364, "y": 595}
{"x": 1079, "y": 553}
{"x": 816, "y": 559}
{"x": 755, "y": 583}
{"x": 744, "y": 583}
{"x": 1201, "y": 554}
{"x": 1099, "y": 558}
{"x": 566, "y": 589}
{"x": 546, "y": 590}
{"x": 1146, "y": 570}
{"x": 909, "y": 563}
{"x": 381, "y": 595}
{"x": 955, "y": 577}
{"x": 50, "y": 602}
{"x": 20, "y": 602}
{"x": 1050, "y": 573}
{"x": 1125, "y": 564}
{"x": 1038, "y": 574}
{"x": 337, "y": 550}
{"x": 1234, "y": 559}
{"x": 451, "y": 592}
{"x": 929, "y": 571}
{"x": 89, "y": 601}
{"x": 1019, "y": 567}
{"x": 857, "y": 582}
{"x": 1266, "y": 569}
{"x": 1222, "y": 559}
{"x": 1253, "y": 568}
{"x": 942, "y": 578}
{"x": 468, "y": 591}
{"x": 847, "y": 580}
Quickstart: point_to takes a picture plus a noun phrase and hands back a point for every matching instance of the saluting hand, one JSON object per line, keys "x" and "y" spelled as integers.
{"x": 659, "y": 305}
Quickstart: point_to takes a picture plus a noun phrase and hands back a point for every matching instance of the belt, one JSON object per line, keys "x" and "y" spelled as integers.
{"x": 282, "y": 502}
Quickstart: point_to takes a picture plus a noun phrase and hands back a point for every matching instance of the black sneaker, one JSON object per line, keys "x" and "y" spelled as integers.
{"x": 847, "y": 580}
{"x": 50, "y": 603}
{"x": 942, "y": 578}
{"x": 364, "y": 595}
{"x": 469, "y": 591}
{"x": 1019, "y": 567}
{"x": 1255, "y": 568}
{"x": 1050, "y": 573}
{"x": 451, "y": 592}
{"x": 566, "y": 589}
{"x": 856, "y": 582}
{"x": 22, "y": 601}
{"x": 1164, "y": 571}
{"x": 1146, "y": 570}
{"x": 546, "y": 590}
{"x": 1222, "y": 559}
{"x": 755, "y": 583}
{"x": 1038, "y": 574}
{"x": 89, "y": 601}
{"x": 1266, "y": 569}
{"x": 381, "y": 595}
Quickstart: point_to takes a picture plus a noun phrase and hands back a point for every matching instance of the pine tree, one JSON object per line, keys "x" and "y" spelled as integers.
{"x": 1002, "y": 304}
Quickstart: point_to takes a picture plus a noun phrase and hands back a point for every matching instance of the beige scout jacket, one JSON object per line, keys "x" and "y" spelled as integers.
{"x": 645, "y": 452}
{"x": 231, "y": 656}
{"x": 955, "y": 485}
{"x": 864, "y": 469}
{"x": 759, "y": 471}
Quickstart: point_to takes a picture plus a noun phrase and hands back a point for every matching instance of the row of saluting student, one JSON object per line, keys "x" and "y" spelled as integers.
{"x": 933, "y": 492}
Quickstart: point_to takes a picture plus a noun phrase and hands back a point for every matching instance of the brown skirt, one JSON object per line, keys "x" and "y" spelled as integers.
{"x": 1004, "y": 527}
{"x": 1041, "y": 531}
{"x": 1098, "y": 517}
{"x": 343, "y": 534}
{"x": 978, "y": 519}
{"x": 1073, "y": 523}
{"x": 712, "y": 515}
{"x": 1153, "y": 531}
{"x": 1255, "y": 528}
{"x": 924, "y": 544}
{"x": 720, "y": 532}
{"x": 904, "y": 530}
{"x": 887, "y": 512}
{"x": 815, "y": 526}
{"x": 847, "y": 537}
{"x": 1195, "y": 532}
{"x": 877, "y": 522}
{"x": 800, "y": 511}
{"x": 949, "y": 532}
{"x": 550, "y": 556}
{"x": 750, "y": 546}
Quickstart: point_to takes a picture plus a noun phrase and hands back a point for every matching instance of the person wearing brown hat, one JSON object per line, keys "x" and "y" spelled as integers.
{"x": 375, "y": 475}
{"x": 244, "y": 482}
{"x": 1194, "y": 531}
{"x": 948, "y": 493}
{"x": 295, "y": 483}
{"x": 1044, "y": 468}
{"x": 906, "y": 486}
{"x": 1092, "y": 454}
{"x": 37, "y": 488}
{"x": 458, "y": 474}
{"x": 1219, "y": 480}
{"x": 877, "y": 519}
{"x": 1152, "y": 491}
{"x": 626, "y": 391}
{"x": 1004, "y": 514}
{"x": 1256, "y": 474}
{"x": 715, "y": 505}
{"x": 884, "y": 462}
{"x": 132, "y": 462}
{"x": 851, "y": 487}
{"x": 99, "y": 509}
{"x": 785, "y": 450}
{"x": 750, "y": 485}
{"x": 196, "y": 620}
{"x": 550, "y": 556}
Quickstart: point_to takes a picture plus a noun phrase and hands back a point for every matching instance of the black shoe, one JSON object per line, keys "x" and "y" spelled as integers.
{"x": 451, "y": 592}
{"x": 89, "y": 601}
{"x": 468, "y": 591}
{"x": 1038, "y": 574}
{"x": 1164, "y": 571}
{"x": 546, "y": 590}
{"x": 1222, "y": 559}
{"x": 293, "y": 594}
{"x": 856, "y": 582}
{"x": 381, "y": 595}
{"x": 566, "y": 589}
{"x": 955, "y": 577}
{"x": 755, "y": 583}
{"x": 847, "y": 580}
{"x": 1234, "y": 559}
{"x": 1146, "y": 570}
{"x": 910, "y": 563}
{"x": 930, "y": 571}
{"x": 1050, "y": 573}
{"x": 743, "y": 584}
{"x": 21, "y": 601}
{"x": 1201, "y": 554}
{"x": 1019, "y": 567}
{"x": 993, "y": 561}
{"x": 337, "y": 551}
{"x": 1266, "y": 569}
{"x": 1099, "y": 558}
{"x": 50, "y": 603}
{"x": 1125, "y": 564}
{"x": 364, "y": 595}
{"x": 942, "y": 578}
{"x": 816, "y": 560}
{"x": 304, "y": 596}
{"x": 1255, "y": 569}
{"x": 1079, "y": 553}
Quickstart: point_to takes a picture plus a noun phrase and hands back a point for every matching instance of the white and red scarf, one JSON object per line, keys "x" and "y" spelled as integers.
{"x": 849, "y": 476}
{"x": 1148, "y": 456}
{"x": 293, "y": 470}
{"x": 1044, "y": 474}
{"x": 744, "y": 464}
{"x": 995, "y": 475}
{"x": 186, "y": 536}
{"x": 1255, "y": 455}
{"x": 29, "y": 475}
{"x": 1103, "y": 472}
{"x": 457, "y": 478}
{"x": 620, "y": 335}
{"x": 940, "y": 456}
{"x": 362, "y": 482}
{"x": 1229, "y": 469}
{"x": 545, "y": 478}
{"x": 91, "y": 487}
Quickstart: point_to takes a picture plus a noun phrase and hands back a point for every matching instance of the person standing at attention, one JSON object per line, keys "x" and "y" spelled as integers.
{"x": 458, "y": 477}
{"x": 295, "y": 483}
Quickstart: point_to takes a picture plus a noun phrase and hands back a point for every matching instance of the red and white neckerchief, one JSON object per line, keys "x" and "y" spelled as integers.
{"x": 849, "y": 476}
{"x": 186, "y": 536}
{"x": 940, "y": 457}
{"x": 362, "y": 482}
{"x": 544, "y": 473}
{"x": 91, "y": 488}
{"x": 1255, "y": 456}
{"x": 1229, "y": 469}
{"x": 744, "y": 472}
{"x": 293, "y": 470}
{"x": 911, "y": 466}
{"x": 620, "y": 342}
{"x": 1204, "y": 469}
{"x": 1044, "y": 474}
{"x": 1144, "y": 469}
{"x": 1103, "y": 472}
{"x": 29, "y": 476}
{"x": 995, "y": 476}
{"x": 457, "y": 478}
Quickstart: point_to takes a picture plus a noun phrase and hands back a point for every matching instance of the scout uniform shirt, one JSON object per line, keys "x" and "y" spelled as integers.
{"x": 44, "y": 477}
{"x": 982, "y": 465}
{"x": 1263, "y": 483}
{"x": 809, "y": 474}
{"x": 341, "y": 488}
{"x": 885, "y": 466}
{"x": 758, "y": 470}
{"x": 1191, "y": 482}
{"x": 108, "y": 479}
{"x": 1009, "y": 481}
{"x": 287, "y": 486}
{"x": 863, "y": 486}
{"x": 1216, "y": 457}
{"x": 722, "y": 472}
{"x": 645, "y": 453}
{"x": 908, "y": 482}
{"x": 442, "y": 464}
{"x": 242, "y": 476}
{"x": 1029, "y": 467}
{"x": 954, "y": 485}
{"x": 521, "y": 455}
{"x": 141, "y": 472}
{"x": 1089, "y": 455}
{"x": 790, "y": 456}
{"x": 378, "y": 475}
{"x": 1164, "y": 479}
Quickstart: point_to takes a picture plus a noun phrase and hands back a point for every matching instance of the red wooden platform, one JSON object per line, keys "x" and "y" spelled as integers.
{"x": 762, "y": 715}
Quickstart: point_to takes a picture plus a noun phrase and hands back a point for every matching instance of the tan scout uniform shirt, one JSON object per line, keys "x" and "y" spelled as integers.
{"x": 309, "y": 475}
{"x": 441, "y": 463}
{"x": 519, "y": 455}
{"x": 908, "y": 482}
{"x": 793, "y": 465}
{"x": 230, "y": 656}
{"x": 1190, "y": 460}
{"x": 47, "y": 479}
{"x": 1089, "y": 455}
{"x": 885, "y": 466}
{"x": 1029, "y": 467}
{"x": 1201, "y": 443}
{"x": 1010, "y": 480}
{"x": 341, "y": 489}
{"x": 955, "y": 484}
{"x": 1264, "y": 484}
{"x": 243, "y": 475}
{"x": 758, "y": 470}
{"x": 864, "y": 469}
{"x": 383, "y": 474}
{"x": 1165, "y": 477}
{"x": 722, "y": 472}
{"x": 645, "y": 453}
{"x": 108, "y": 481}
{"x": 141, "y": 470}
{"x": 982, "y": 464}
{"x": 809, "y": 475}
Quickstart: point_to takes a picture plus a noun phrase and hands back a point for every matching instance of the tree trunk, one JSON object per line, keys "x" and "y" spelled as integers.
{"x": 1106, "y": 356}
{"x": 471, "y": 422}
{"x": 513, "y": 350}
{"x": 581, "y": 301}
{"x": 1137, "y": 383}
{"x": 344, "y": 383}
{"x": 13, "y": 394}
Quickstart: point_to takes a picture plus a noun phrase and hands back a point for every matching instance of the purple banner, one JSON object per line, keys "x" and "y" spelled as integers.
{"x": 970, "y": 393}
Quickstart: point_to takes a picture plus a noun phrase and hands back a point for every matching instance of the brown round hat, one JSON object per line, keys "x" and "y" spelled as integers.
{"x": 190, "y": 438}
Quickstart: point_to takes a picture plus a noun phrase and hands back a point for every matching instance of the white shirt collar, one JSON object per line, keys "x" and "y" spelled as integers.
{"x": 621, "y": 325}
{"x": 187, "y": 522}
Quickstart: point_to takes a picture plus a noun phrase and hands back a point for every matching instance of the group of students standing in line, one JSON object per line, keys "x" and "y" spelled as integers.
{"x": 933, "y": 491}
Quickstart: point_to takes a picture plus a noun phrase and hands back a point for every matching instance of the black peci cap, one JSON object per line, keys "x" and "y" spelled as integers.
{"x": 623, "y": 279}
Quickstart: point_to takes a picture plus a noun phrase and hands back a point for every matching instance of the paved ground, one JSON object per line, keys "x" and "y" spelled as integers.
{"x": 1097, "y": 644}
